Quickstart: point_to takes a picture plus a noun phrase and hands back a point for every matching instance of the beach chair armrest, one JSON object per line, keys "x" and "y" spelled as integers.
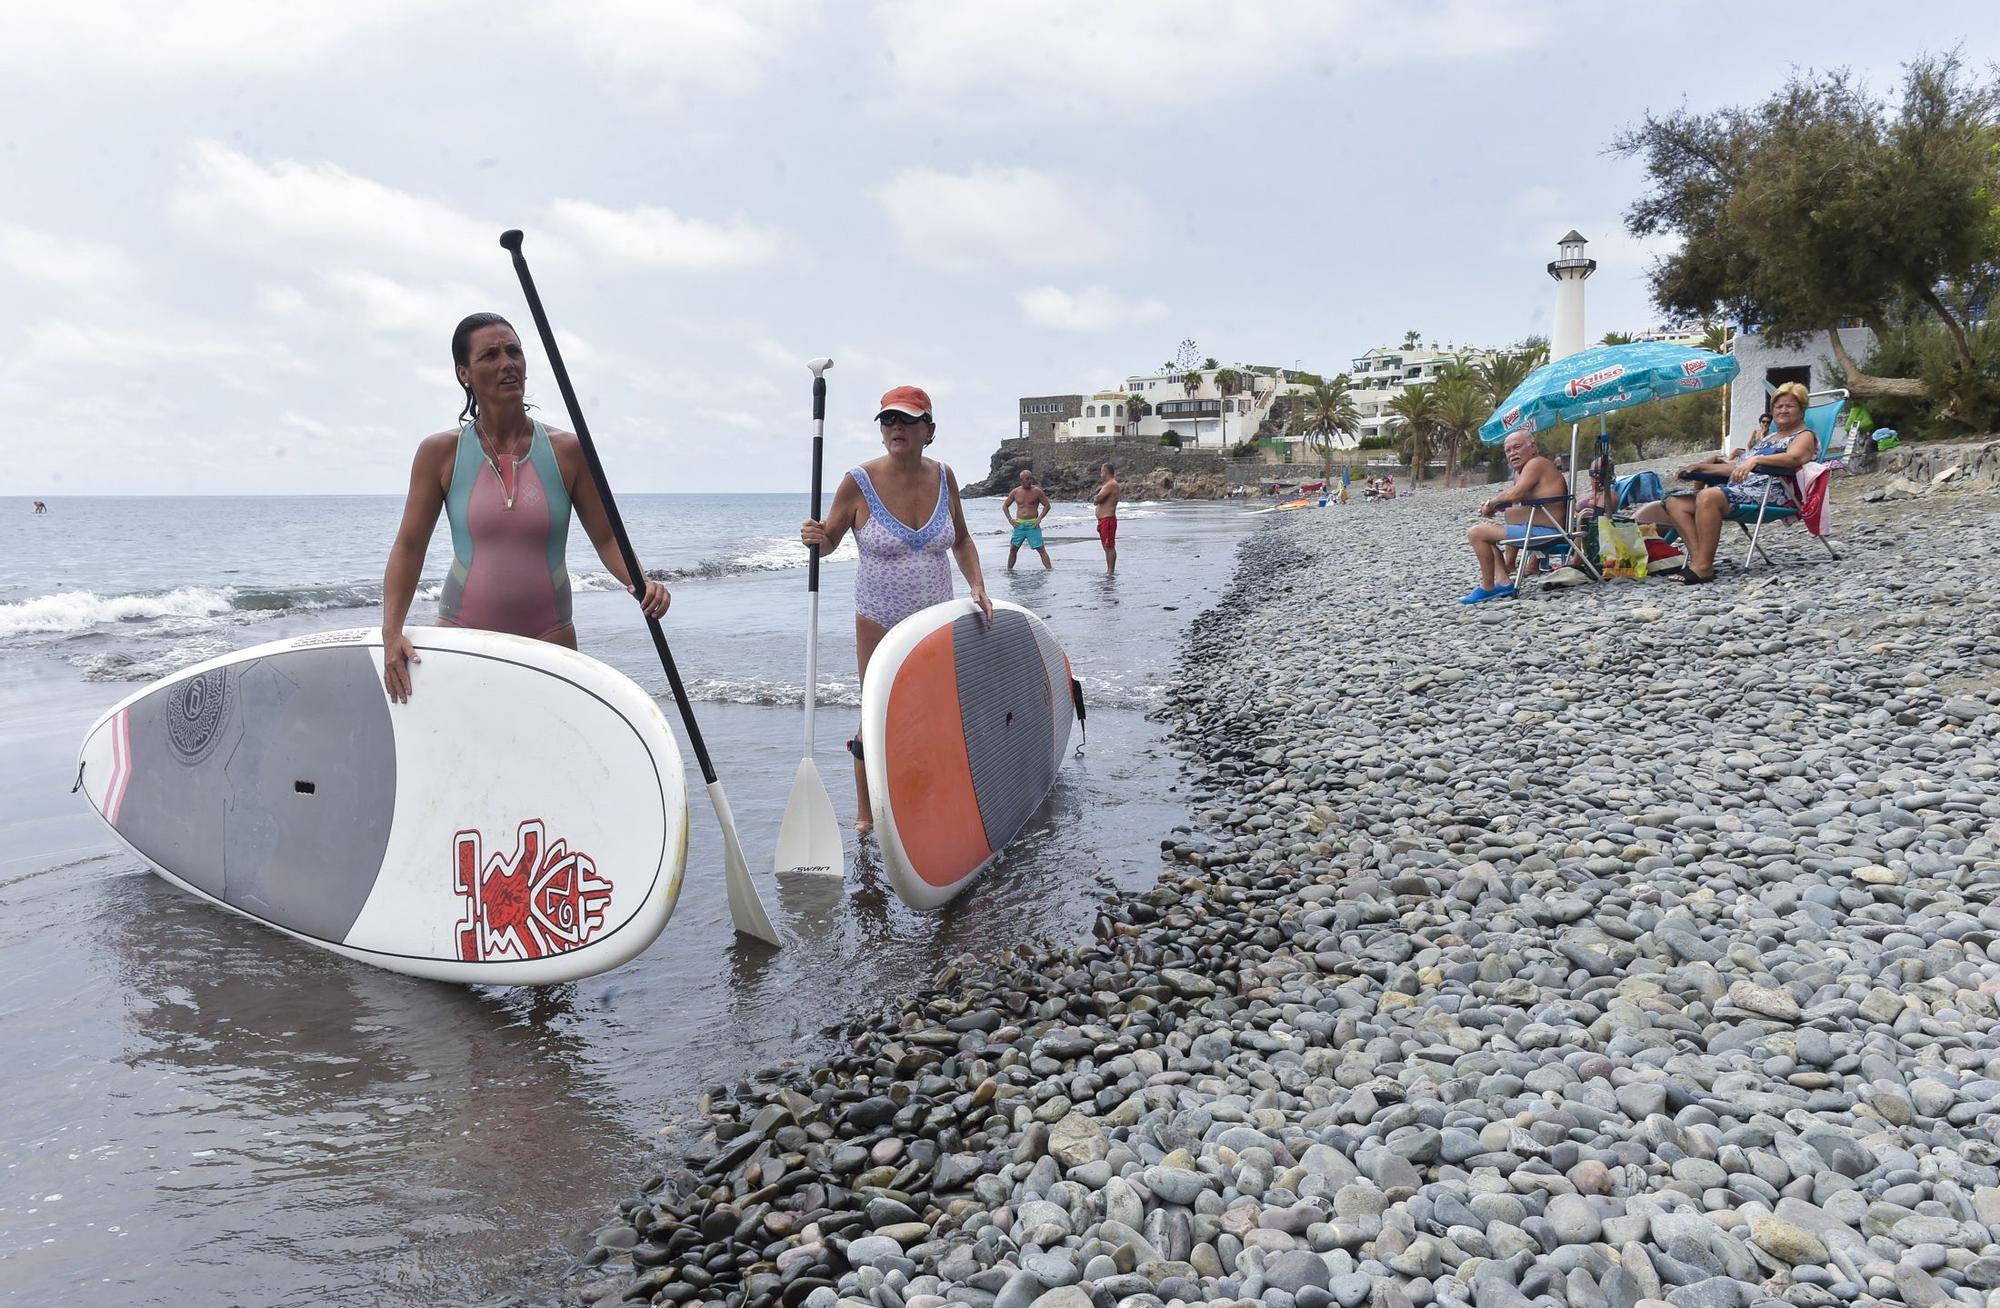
{"x": 1772, "y": 469}
{"x": 1535, "y": 504}
{"x": 1705, "y": 478}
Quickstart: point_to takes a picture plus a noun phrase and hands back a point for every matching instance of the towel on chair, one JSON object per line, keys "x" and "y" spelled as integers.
{"x": 1811, "y": 483}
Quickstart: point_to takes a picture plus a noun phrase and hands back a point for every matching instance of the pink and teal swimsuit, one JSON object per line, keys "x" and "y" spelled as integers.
{"x": 509, "y": 536}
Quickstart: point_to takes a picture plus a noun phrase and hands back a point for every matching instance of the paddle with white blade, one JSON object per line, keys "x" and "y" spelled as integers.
{"x": 746, "y": 908}
{"x": 809, "y": 838}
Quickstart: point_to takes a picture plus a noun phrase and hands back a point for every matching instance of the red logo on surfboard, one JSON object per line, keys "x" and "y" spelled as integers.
{"x": 540, "y": 900}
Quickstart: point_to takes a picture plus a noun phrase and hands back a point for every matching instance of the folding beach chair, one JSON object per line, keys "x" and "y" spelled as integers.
{"x": 1548, "y": 532}
{"x": 1822, "y": 419}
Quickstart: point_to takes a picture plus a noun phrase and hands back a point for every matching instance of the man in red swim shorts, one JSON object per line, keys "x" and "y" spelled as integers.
{"x": 1105, "y": 498}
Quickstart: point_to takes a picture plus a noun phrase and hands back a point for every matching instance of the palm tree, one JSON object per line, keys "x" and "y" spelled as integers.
{"x": 1135, "y": 407}
{"x": 1413, "y": 415}
{"x": 1323, "y": 416}
{"x": 1618, "y": 338}
{"x": 1191, "y": 381}
{"x": 1462, "y": 405}
{"x": 1501, "y": 373}
{"x": 1716, "y": 338}
{"x": 1228, "y": 381}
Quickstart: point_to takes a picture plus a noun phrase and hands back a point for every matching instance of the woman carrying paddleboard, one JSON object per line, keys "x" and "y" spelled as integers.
{"x": 507, "y": 484}
{"x": 903, "y": 568}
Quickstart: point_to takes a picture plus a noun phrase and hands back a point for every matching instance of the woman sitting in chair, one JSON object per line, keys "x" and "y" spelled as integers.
{"x": 1765, "y": 466}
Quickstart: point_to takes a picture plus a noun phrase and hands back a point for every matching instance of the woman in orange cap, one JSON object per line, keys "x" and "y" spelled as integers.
{"x": 903, "y": 567}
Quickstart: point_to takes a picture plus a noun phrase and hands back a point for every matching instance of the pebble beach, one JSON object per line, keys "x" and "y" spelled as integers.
{"x": 1622, "y": 945}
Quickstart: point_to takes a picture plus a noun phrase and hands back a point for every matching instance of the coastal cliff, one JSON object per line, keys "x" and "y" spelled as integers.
{"x": 1068, "y": 469}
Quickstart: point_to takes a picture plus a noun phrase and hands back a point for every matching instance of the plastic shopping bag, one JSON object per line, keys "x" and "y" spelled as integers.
{"x": 1621, "y": 550}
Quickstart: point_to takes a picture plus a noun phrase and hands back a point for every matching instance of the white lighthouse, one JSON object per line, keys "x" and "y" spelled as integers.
{"x": 1569, "y": 270}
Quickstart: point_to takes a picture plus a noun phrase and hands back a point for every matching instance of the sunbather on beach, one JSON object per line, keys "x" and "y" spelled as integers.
{"x": 1699, "y": 515}
{"x": 1493, "y": 543}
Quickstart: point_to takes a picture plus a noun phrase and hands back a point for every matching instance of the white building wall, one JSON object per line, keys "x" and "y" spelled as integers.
{"x": 1756, "y": 356}
{"x": 1242, "y": 413}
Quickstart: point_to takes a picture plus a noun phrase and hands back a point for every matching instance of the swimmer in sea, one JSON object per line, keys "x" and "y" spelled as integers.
{"x": 1105, "y": 501}
{"x": 1024, "y": 508}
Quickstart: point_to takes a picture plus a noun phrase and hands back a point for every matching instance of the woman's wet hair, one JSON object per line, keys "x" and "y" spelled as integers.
{"x": 461, "y": 353}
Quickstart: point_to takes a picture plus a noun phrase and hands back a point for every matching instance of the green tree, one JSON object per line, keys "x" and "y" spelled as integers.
{"x": 1618, "y": 338}
{"x": 1325, "y": 417}
{"x": 1170, "y": 438}
{"x": 1651, "y": 431}
{"x": 1825, "y": 203}
{"x": 1412, "y": 339}
{"x": 1717, "y": 338}
{"x": 1136, "y": 407}
{"x": 1500, "y": 374}
{"x": 1413, "y": 417}
{"x": 1228, "y": 381}
{"x": 1462, "y": 403}
{"x": 1191, "y": 381}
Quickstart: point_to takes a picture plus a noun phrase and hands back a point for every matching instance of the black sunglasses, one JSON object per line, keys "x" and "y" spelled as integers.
{"x": 897, "y": 418}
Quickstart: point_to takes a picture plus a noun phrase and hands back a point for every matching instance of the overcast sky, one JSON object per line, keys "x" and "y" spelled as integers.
{"x": 235, "y": 234}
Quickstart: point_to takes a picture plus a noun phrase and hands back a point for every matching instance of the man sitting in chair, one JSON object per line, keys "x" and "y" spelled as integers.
{"x": 1536, "y": 477}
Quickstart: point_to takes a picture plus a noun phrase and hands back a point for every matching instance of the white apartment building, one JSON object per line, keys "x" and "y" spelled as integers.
{"x": 1206, "y": 418}
{"x": 1103, "y": 419}
{"x": 1679, "y": 333}
{"x": 1383, "y": 373}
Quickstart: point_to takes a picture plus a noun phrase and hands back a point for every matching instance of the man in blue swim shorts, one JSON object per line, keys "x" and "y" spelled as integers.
{"x": 1024, "y": 508}
{"x": 1536, "y": 477}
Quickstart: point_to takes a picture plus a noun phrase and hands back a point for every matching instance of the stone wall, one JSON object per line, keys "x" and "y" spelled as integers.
{"x": 1919, "y": 469}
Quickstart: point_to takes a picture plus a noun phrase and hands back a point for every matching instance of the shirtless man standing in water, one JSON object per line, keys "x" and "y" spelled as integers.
{"x": 1105, "y": 498}
{"x": 1024, "y": 508}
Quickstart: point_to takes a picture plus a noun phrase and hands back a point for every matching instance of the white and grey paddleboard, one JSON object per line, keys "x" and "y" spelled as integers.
{"x": 521, "y": 820}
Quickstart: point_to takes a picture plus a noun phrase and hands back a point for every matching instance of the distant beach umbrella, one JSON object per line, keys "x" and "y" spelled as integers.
{"x": 1601, "y": 380}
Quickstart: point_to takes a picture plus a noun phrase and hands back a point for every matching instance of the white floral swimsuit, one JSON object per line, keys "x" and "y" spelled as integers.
{"x": 901, "y": 570}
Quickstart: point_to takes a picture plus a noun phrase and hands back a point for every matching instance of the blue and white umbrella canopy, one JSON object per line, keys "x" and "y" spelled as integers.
{"x": 1600, "y": 380}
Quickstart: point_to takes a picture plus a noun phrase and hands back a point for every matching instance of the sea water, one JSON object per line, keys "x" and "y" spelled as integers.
{"x": 199, "y": 1110}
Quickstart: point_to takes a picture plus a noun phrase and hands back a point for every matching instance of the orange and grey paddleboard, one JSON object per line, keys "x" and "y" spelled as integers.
{"x": 963, "y": 728}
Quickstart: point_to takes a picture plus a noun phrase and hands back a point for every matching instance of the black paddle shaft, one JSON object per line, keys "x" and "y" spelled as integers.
{"x": 819, "y": 420}
{"x": 511, "y": 242}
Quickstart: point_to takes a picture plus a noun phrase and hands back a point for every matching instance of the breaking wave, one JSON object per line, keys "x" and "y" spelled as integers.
{"x": 80, "y": 610}
{"x": 76, "y": 611}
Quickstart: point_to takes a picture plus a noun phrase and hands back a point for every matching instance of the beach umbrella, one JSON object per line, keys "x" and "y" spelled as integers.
{"x": 1594, "y": 382}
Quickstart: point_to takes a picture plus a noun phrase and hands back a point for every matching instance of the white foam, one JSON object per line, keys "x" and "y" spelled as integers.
{"x": 79, "y": 610}
{"x": 781, "y": 554}
{"x": 725, "y": 690}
